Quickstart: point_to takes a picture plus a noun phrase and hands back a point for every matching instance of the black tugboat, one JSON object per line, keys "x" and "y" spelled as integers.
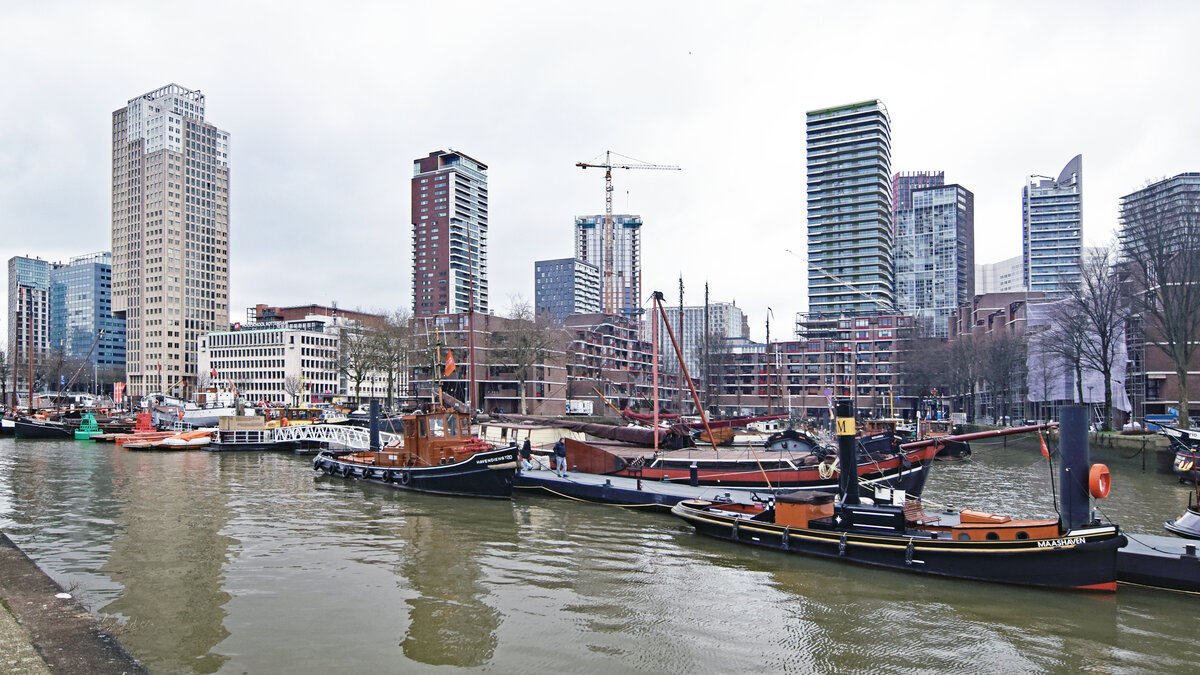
{"x": 438, "y": 454}
{"x": 894, "y": 531}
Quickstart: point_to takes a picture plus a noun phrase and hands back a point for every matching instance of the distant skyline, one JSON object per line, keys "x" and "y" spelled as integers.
{"x": 327, "y": 105}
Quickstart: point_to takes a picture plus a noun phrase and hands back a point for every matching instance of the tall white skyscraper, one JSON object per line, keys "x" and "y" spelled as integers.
{"x": 170, "y": 235}
{"x": 626, "y": 276}
{"x": 1052, "y": 229}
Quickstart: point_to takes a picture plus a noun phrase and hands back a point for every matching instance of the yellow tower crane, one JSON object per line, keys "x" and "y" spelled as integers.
{"x": 610, "y": 291}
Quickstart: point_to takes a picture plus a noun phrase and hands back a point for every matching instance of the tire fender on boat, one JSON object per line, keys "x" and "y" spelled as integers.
{"x": 405, "y": 476}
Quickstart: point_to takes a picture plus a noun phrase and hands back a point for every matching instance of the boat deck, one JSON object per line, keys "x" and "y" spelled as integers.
{"x": 623, "y": 491}
{"x": 704, "y": 453}
{"x": 1160, "y": 561}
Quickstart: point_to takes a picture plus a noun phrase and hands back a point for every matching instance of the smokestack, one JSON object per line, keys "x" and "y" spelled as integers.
{"x": 1074, "y": 504}
{"x": 847, "y": 453}
{"x": 375, "y": 424}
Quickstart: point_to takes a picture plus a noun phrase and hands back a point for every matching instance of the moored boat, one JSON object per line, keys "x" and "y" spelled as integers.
{"x": 33, "y": 427}
{"x": 438, "y": 454}
{"x": 1187, "y": 525}
{"x": 892, "y": 530}
{"x": 1186, "y": 444}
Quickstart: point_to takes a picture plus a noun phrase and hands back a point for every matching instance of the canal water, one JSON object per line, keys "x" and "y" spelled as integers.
{"x": 246, "y": 563}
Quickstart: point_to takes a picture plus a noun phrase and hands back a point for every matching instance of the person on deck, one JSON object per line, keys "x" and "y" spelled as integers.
{"x": 560, "y": 459}
{"x": 526, "y": 453}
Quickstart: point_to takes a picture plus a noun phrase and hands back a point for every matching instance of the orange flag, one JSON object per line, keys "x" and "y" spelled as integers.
{"x": 449, "y": 364}
{"x": 1045, "y": 451}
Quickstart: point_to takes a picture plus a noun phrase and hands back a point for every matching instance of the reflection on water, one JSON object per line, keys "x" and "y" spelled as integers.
{"x": 168, "y": 555}
{"x": 246, "y": 563}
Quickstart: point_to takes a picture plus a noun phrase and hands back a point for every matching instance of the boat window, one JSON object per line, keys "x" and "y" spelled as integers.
{"x": 452, "y": 425}
{"x": 1022, "y": 534}
{"x": 992, "y": 536}
{"x": 422, "y": 423}
{"x": 437, "y": 427}
{"x": 964, "y": 536}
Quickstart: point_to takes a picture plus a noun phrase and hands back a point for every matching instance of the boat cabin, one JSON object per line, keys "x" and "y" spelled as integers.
{"x": 283, "y": 417}
{"x": 934, "y": 428}
{"x": 429, "y": 438}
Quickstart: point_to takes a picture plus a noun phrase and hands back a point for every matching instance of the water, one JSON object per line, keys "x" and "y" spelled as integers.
{"x": 244, "y": 563}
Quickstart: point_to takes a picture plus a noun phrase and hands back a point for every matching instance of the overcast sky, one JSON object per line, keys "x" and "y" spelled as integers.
{"x": 328, "y": 104}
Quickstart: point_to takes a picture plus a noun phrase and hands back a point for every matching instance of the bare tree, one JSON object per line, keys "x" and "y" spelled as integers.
{"x": 1097, "y": 298}
{"x": 1045, "y": 369}
{"x": 291, "y": 387}
{"x": 963, "y": 370}
{"x": 525, "y": 342}
{"x": 1003, "y": 365}
{"x": 356, "y": 358}
{"x": 391, "y": 345}
{"x": 1161, "y": 243}
{"x": 1065, "y": 340}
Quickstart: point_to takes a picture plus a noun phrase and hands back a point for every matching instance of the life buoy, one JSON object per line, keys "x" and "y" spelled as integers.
{"x": 283, "y": 422}
{"x": 1099, "y": 481}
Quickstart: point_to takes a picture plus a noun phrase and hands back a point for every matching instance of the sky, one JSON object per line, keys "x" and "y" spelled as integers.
{"x": 328, "y": 104}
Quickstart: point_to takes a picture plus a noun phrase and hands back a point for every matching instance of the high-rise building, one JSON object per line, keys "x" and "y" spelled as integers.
{"x": 1176, "y": 200}
{"x": 564, "y": 287}
{"x": 726, "y": 321}
{"x": 935, "y": 255}
{"x": 449, "y": 238}
{"x": 1006, "y": 276}
{"x": 1052, "y": 229}
{"x": 626, "y": 279}
{"x": 904, "y": 182}
{"x": 28, "y": 315}
{"x": 849, "y": 209}
{"x": 82, "y": 324}
{"x": 170, "y": 235}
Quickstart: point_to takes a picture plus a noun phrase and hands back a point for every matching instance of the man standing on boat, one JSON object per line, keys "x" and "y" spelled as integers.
{"x": 560, "y": 459}
{"x": 526, "y": 453}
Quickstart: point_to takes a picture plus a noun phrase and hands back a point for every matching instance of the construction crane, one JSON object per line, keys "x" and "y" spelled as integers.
{"x": 610, "y": 291}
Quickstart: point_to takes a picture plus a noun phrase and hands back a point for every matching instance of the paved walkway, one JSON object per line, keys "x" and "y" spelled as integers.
{"x": 17, "y": 655}
{"x": 41, "y": 632}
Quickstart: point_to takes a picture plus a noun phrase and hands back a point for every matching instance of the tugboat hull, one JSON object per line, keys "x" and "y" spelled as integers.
{"x": 484, "y": 474}
{"x": 1080, "y": 559}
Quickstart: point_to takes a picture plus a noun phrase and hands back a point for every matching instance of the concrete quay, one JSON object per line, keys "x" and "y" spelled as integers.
{"x": 44, "y": 630}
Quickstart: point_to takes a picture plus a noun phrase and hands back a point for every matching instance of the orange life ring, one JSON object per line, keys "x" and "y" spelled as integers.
{"x": 1099, "y": 481}
{"x": 283, "y": 422}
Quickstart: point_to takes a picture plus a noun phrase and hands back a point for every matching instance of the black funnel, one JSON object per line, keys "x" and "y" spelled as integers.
{"x": 375, "y": 424}
{"x": 847, "y": 453}
{"x": 1074, "y": 504}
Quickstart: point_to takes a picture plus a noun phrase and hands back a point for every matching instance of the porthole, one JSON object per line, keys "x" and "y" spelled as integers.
{"x": 992, "y": 536}
{"x": 964, "y": 536}
{"x": 1022, "y": 535}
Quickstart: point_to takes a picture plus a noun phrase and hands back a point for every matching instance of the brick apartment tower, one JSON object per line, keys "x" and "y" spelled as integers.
{"x": 170, "y": 235}
{"x": 449, "y": 238}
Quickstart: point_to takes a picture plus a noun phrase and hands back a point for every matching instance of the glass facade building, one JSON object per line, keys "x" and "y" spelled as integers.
{"x": 81, "y": 307}
{"x": 849, "y": 209}
{"x": 1052, "y": 229}
{"x": 935, "y": 256}
{"x": 564, "y": 287}
{"x": 626, "y": 280}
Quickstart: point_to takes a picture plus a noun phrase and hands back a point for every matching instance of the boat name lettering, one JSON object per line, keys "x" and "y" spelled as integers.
{"x": 493, "y": 460}
{"x": 1076, "y": 541}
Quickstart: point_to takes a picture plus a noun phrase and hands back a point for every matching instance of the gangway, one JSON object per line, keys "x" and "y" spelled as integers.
{"x": 350, "y": 437}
